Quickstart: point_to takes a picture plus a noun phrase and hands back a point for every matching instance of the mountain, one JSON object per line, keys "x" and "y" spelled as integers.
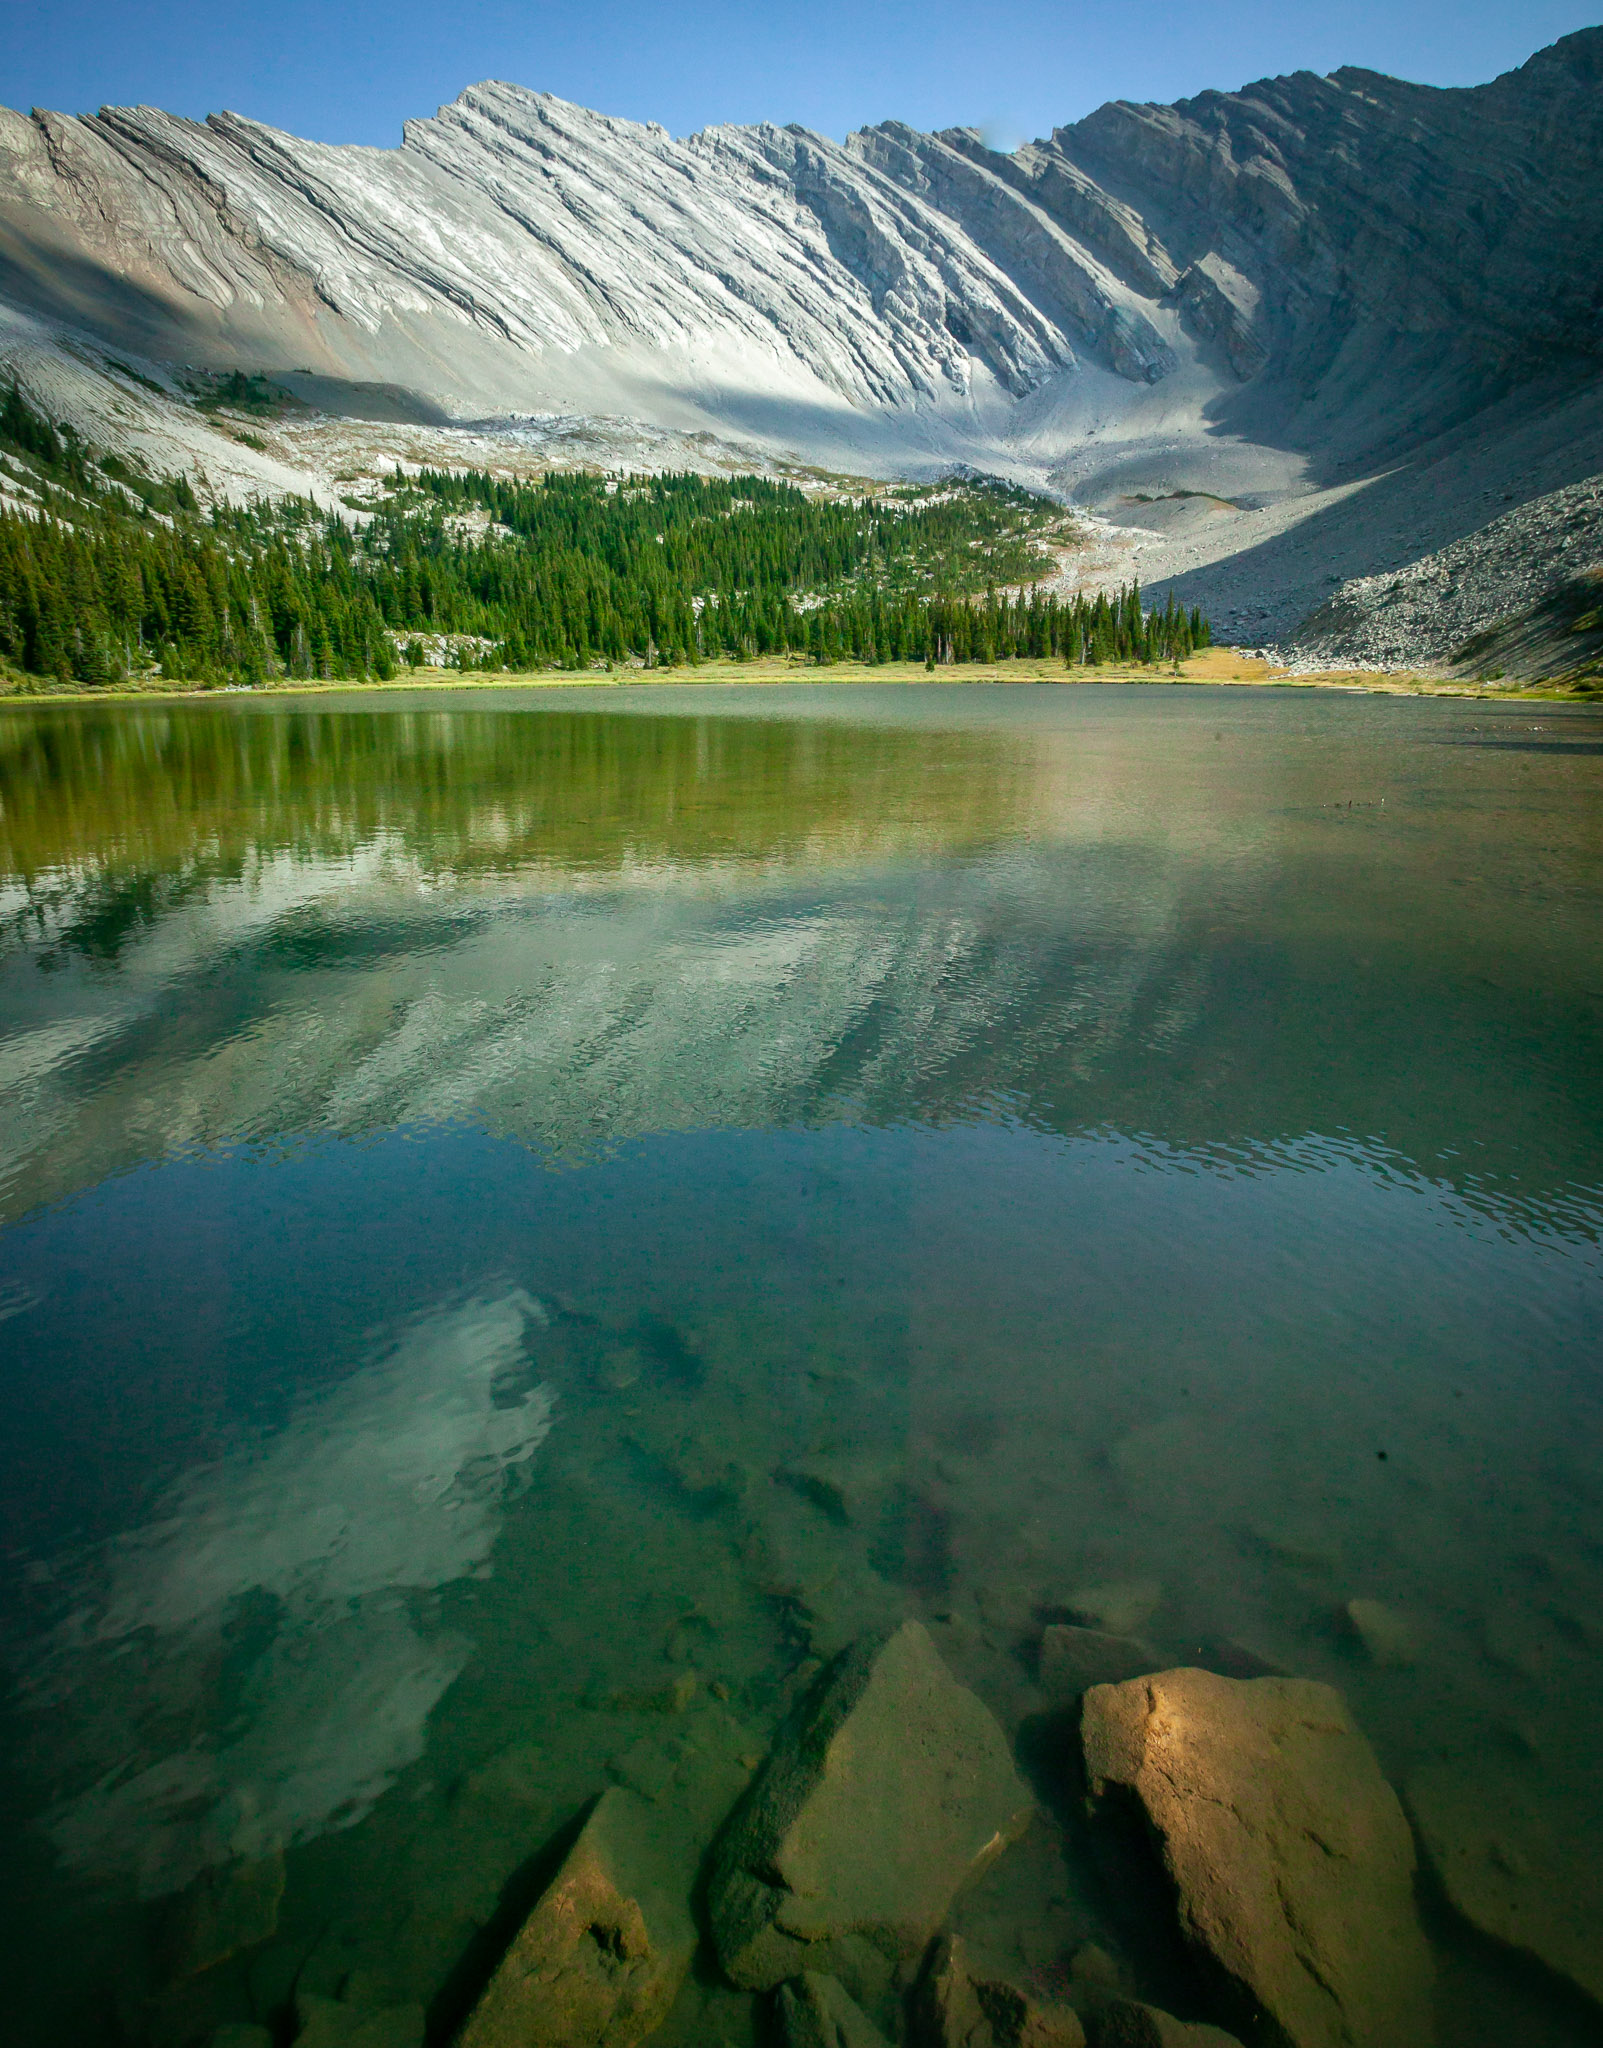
{"x": 1284, "y": 336}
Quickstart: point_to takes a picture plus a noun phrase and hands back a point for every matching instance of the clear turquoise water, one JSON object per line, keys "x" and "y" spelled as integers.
{"x": 511, "y": 1199}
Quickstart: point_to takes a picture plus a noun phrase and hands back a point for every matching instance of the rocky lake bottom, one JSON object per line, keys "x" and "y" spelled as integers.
{"x": 767, "y": 1258}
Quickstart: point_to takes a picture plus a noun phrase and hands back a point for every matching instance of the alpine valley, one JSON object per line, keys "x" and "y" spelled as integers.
{"x": 1283, "y": 345}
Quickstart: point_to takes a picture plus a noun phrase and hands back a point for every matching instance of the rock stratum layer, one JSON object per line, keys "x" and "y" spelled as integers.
{"x": 1257, "y": 295}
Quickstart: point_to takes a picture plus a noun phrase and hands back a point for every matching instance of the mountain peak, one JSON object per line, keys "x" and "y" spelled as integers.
{"x": 1243, "y": 297}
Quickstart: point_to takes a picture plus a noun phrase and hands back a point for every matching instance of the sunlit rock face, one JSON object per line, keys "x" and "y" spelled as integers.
{"x": 522, "y": 229}
{"x": 293, "y": 1562}
{"x": 1315, "y": 264}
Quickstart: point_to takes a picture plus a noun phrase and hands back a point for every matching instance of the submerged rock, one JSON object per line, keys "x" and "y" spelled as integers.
{"x": 1289, "y": 1852}
{"x": 240, "y": 2034}
{"x": 954, "y": 2009}
{"x": 518, "y": 1775}
{"x": 1118, "y": 1609}
{"x": 1514, "y": 1860}
{"x": 598, "y": 1962}
{"x": 848, "y": 1491}
{"x": 1018, "y": 2022}
{"x": 672, "y": 1696}
{"x": 222, "y": 1912}
{"x": 818, "y": 2012}
{"x": 332, "y": 2023}
{"x": 946, "y": 2006}
{"x": 1304, "y": 1548}
{"x": 1126, "y": 2024}
{"x": 1074, "y": 1658}
{"x": 1095, "y": 1975}
{"x": 1235, "y": 1657}
{"x": 888, "y": 1790}
{"x": 1386, "y": 1637}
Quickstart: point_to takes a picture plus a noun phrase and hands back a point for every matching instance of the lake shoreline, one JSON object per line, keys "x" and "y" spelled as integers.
{"x": 1215, "y": 666}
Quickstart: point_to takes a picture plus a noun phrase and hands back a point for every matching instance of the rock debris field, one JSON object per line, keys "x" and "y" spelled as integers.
{"x": 1521, "y": 598}
{"x": 1279, "y": 1856}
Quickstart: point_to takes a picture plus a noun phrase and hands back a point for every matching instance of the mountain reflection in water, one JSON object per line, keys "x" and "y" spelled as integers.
{"x": 472, "y": 1163}
{"x": 577, "y": 925}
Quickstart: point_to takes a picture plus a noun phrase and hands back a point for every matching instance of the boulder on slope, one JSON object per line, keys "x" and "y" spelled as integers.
{"x": 599, "y": 1961}
{"x": 888, "y": 1790}
{"x": 1289, "y": 1852}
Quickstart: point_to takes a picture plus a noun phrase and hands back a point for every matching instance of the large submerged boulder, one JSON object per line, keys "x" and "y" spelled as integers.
{"x": 598, "y": 1962}
{"x": 1128, "y": 2024}
{"x": 817, "y": 2012}
{"x": 887, "y": 1791}
{"x": 1517, "y": 1861}
{"x": 1289, "y": 1852}
{"x": 952, "y": 2008}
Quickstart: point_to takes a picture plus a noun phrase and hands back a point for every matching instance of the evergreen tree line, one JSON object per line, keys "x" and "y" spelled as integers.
{"x": 744, "y": 532}
{"x": 105, "y": 598}
{"x": 101, "y": 603}
{"x": 121, "y": 575}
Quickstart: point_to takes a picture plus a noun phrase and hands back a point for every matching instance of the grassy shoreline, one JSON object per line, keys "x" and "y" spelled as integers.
{"x": 1214, "y": 666}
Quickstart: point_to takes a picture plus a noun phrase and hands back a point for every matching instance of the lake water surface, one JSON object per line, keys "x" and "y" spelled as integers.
{"x": 527, "y": 1217}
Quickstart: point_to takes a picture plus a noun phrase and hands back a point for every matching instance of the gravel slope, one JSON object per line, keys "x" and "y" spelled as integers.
{"x": 1511, "y": 598}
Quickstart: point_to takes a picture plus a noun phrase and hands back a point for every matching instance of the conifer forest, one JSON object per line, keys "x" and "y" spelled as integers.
{"x": 108, "y": 574}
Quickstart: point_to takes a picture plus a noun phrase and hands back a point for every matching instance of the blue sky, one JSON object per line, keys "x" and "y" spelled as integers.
{"x": 353, "y": 73}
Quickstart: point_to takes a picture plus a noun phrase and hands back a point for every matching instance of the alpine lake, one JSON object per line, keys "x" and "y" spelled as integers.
{"x": 531, "y": 1219}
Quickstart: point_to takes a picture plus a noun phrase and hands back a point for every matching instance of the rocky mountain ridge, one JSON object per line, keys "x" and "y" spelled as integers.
{"x": 1247, "y": 298}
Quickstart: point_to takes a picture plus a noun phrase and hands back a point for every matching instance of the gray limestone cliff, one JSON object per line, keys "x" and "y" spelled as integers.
{"x": 1228, "y": 304}
{"x": 1296, "y": 232}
